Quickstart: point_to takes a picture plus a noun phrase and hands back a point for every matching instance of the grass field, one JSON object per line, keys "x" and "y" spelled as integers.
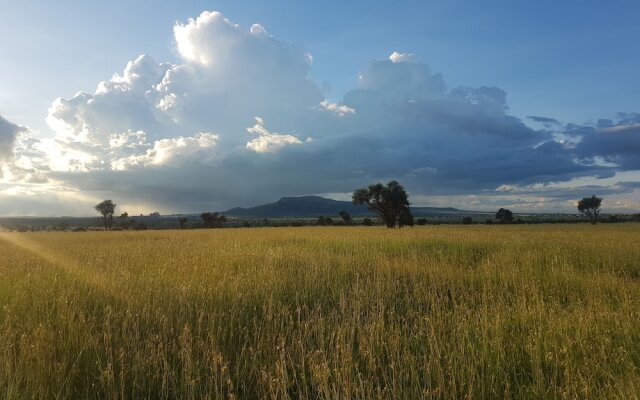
{"x": 476, "y": 312}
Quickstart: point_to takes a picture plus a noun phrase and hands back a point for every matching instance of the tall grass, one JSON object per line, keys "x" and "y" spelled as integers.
{"x": 432, "y": 312}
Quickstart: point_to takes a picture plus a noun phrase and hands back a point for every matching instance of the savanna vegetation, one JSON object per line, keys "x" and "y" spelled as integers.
{"x": 443, "y": 312}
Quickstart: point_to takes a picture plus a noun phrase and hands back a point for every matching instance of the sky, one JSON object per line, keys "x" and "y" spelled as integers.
{"x": 191, "y": 106}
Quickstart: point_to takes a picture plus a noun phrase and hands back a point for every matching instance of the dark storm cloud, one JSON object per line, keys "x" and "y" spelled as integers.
{"x": 543, "y": 120}
{"x": 616, "y": 142}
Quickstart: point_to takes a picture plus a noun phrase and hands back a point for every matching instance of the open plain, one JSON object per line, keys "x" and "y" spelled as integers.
{"x": 443, "y": 312}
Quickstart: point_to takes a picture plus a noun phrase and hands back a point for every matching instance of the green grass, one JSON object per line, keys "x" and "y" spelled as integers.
{"x": 478, "y": 312}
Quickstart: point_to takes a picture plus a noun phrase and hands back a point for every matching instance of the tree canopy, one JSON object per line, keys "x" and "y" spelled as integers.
{"x": 390, "y": 202}
{"x": 213, "y": 220}
{"x": 590, "y": 206}
{"x": 346, "y": 218}
{"x": 504, "y": 215}
{"x": 107, "y": 208}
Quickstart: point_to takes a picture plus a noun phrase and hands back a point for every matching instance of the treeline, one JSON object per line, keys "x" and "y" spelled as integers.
{"x": 540, "y": 219}
{"x": 389, "y": 203}
{"x": 196, "y": 222}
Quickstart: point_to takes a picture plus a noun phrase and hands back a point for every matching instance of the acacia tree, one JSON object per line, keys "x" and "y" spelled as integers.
{"x": 590, "y": 206}
{"x": 390, "y": 202}
{"x": 346, "y": 218}
{"x": 106, "y": 208}
{"x": 504, "y": 215}
{"x": 406, "y": 218}
{"x": 213, "y": 220}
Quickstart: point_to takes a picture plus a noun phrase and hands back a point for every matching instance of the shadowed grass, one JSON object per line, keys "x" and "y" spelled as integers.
{"x": 430, "y": 312}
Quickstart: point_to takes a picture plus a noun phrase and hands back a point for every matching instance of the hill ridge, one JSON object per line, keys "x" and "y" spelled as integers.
{"x": 314, "y": 206}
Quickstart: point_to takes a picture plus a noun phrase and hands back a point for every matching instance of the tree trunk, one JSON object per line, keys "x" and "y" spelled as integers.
{"x": 390, "y": 220}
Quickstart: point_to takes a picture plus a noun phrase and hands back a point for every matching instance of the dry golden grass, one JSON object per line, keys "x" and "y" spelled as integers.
{"x": 476, "y": 312}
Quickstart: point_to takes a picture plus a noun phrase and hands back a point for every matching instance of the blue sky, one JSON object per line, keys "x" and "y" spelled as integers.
{"x": 576, "y": 62}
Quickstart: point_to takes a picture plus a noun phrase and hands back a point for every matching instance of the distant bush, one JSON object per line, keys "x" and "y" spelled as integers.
{"x": 213, "y": 220}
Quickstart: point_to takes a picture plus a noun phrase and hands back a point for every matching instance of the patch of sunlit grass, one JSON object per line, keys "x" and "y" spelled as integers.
{"x": 430, "y": 312}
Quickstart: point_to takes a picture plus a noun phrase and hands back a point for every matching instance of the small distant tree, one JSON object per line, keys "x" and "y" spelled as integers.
{"x": 213, "y": 220}
{"x": 346, "y": 218}
{"x": 390, "y": 202}
{"x": 182, "y": 221}
{"x": 504, "y": 215}
{"x": 321, "y": 221}
{"x": 421, "y": 221}
{"x": 124, "y": 215}
{"x": 106, "y": 208}
{"x": 590, "y": 206}
{"x": 467, "y": 221}
{"x": 328, "y": 221}
{"x": 367, "y": 222}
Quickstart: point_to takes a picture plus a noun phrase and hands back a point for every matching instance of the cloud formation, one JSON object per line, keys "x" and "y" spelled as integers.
{"x": 239, "y": 121}
{"x": 269, "y": 142}
{"x": 616, "y": 143}
{"x": 8, "y": 134}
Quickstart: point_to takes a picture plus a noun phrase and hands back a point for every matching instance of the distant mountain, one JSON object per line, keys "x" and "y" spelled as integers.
{"x": 422, "y": 211}
{"x": 314, "y": 206}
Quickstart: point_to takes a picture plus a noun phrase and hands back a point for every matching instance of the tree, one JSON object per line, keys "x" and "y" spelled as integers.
{"x": 406, "y": 218}
{"x": 346, "y": 218}
{"x": 590, "y": 206}
{"x": 106, "y": 208}
{"x": 213, "y": 220}
{"x": 390, "y": 202}
{"x": 504, "y": 215}
{"x": 182, "y": 221}
{"x": 467, "y": 221}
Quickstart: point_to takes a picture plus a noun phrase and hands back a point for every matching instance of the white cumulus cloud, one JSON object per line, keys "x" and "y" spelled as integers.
{"x": 169, "y": 127}
{"x": 269, "y": 142}
{"x": 338, "y": 109}
{"x": 171, "y": 152}
{"x": 396, "y": 57}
